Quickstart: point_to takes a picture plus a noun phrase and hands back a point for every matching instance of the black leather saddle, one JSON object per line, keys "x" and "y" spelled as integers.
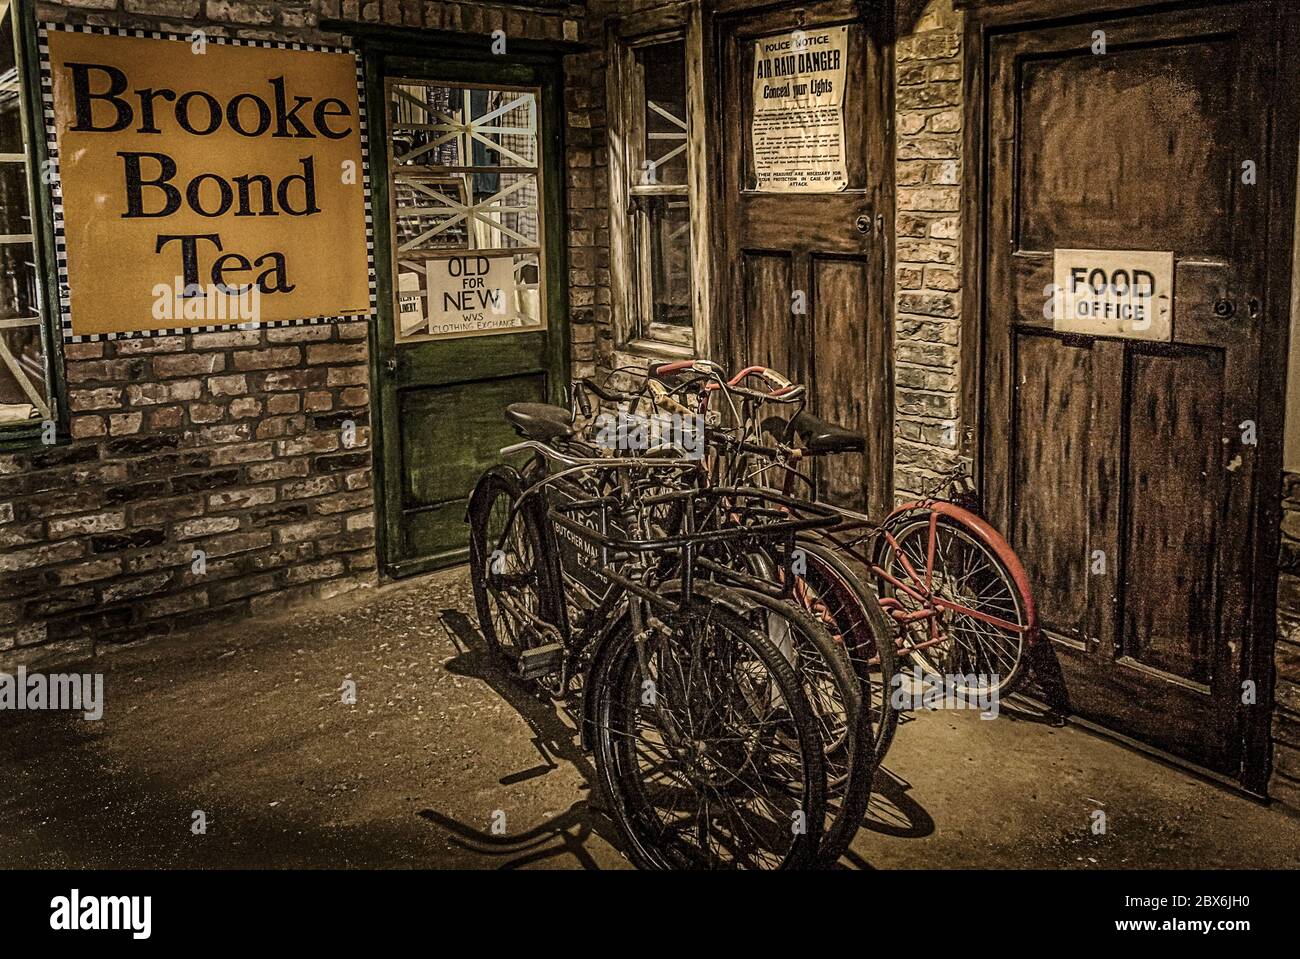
{"x": 815, "y": 435}
{"x": 540, "y": 421}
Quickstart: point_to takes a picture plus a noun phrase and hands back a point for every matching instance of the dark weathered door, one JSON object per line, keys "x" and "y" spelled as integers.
{"x": 1123, "y": 470}
{"x": 807, "y": 286}
{"x": 466, "y": 161}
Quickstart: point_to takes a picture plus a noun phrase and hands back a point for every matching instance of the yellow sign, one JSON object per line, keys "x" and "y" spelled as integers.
{"x": 207, "y": 184}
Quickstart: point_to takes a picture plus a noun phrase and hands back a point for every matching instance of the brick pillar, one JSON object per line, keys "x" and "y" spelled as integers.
{"x": 927, "y": 318}
{"x": 588, "y": 210}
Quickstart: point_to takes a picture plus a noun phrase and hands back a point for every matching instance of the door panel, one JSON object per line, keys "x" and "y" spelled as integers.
{"x": 1176, "y": 482}
{"x": 1054, "y": 440}
{"x": 1118, "y": 466}
{"x": 448, "y": 433}
{"x": 839, "y": 287}
{"x": 467, "y": 156}
{"x": 1080, "y": 102}
{"x": 765, "y": 318}
{"x": 808, "y": 288}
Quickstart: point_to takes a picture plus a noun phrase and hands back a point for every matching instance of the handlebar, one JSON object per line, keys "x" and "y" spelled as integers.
{"x": 781, "y": 390}
{"x": 605, "y": 393}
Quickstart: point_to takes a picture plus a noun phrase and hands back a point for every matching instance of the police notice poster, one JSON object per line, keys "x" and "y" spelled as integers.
{"x": 798, "y": 124}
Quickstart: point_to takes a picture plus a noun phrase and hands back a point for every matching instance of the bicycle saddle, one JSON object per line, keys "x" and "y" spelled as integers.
{"x": 540, "y": 421}
{"x": 816, "y": 435}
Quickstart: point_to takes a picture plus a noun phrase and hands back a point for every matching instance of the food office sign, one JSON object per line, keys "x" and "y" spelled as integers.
{"x": 1121, "y": 293}
{"x": 205, "y": 184}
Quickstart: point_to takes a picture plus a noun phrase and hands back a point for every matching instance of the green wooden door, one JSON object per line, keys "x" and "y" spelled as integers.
{"x": 468, "y": 187}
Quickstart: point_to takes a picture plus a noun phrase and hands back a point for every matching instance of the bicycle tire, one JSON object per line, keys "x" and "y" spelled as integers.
{"x": 850, "y": 759}
{"x": 501, "y": 487}
{"x": 616, "y": 682}
{"x": 1001, "y": 596}
{"x": 864, "y": 629}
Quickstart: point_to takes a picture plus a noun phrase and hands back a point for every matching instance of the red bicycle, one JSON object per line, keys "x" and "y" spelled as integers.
{"x": 954, "y": 589}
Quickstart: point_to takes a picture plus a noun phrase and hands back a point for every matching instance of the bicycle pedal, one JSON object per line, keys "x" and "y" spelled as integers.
{"x": 540, "y": 661}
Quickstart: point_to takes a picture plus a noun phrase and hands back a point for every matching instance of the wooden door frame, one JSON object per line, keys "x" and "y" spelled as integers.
{"x": 986, "y": 19}
{"x": 877, "y": 378}
{"x": 456, "y": 52}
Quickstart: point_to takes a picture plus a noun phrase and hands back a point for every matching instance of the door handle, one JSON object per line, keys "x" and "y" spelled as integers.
{"x": 390, "y": 365}
{"x": 863, "y": 223}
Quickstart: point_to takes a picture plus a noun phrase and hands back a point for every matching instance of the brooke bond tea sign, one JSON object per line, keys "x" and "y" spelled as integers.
{"x": 207, "y": 184}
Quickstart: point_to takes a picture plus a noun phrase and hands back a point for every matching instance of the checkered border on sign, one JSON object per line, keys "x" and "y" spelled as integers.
{"x": 56, "y": 182}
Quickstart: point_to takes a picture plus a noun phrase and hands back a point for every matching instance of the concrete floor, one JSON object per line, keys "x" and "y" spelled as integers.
{"x": 246, "y": 723}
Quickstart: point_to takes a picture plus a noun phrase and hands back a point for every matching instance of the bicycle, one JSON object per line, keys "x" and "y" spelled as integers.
{"x": 707, "y": 749}
{"x": 838, "y": 678}
{"x": 956, "y": 592}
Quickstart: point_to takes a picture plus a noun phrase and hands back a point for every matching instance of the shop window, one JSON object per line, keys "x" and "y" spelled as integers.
{"x": 465, "y": 196}
{"x": 26, "y": 393}
{"x": 654, "y": 196}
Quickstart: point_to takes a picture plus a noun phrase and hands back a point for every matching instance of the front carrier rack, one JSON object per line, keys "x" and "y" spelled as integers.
{"x": 700, "y": 529}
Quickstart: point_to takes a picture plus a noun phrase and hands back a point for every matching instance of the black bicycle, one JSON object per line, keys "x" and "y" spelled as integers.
{"x": 590, "y": 573}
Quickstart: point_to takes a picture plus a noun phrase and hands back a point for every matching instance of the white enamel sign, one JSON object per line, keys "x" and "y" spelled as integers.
{"x": 1124, "y": 293}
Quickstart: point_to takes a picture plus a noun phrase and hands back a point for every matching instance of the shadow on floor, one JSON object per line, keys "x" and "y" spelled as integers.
{"x": 891, "y": 811}
{"x": 553, "y": 738}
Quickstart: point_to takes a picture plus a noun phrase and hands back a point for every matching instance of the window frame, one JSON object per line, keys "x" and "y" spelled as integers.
{"x": 23, "y": 435}
{"x": 629, "y": 281}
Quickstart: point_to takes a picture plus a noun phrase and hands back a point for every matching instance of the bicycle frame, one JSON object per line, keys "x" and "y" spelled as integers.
{"x": 868, "y": 548}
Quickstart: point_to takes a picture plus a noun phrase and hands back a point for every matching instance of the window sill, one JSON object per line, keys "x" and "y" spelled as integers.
{"x": 23, "y": 436}
{"x": 657, "y": 350}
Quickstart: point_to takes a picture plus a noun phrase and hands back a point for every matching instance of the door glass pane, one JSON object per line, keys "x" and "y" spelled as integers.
{"x": 668, "y": 220}
{"x": 465, "y": 196}
{"x": 23, "y": 377}
{"x": 663, "y": 74}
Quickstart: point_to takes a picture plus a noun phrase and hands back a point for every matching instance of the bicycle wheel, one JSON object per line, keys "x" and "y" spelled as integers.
{"x": 976, "y": 635}
{"x": 834, "y": 594}
{"x": 706, "y": 748}
{"x": 835, "y": 694}
{"x": 516, "y": 593}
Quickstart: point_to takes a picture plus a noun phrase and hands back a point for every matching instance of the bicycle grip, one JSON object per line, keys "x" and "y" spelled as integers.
{"x": 660, "y": 370}
{"x": 607, "y": 395}
{"x": 664, "y": 400}
{"x": 580, "y": 396}
{"x": 775, "y": 379}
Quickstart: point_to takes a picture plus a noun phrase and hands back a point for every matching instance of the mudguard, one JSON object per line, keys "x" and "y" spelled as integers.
{"x": 989, "y": 536}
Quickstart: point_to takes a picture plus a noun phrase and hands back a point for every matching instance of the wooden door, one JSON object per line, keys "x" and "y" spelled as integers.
{"x": 472, "y": 307}
{"x": 1124, "y": 471}
{"x": 807, "y": 288}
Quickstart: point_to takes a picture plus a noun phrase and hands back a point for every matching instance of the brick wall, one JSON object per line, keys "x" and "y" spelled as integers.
{"x": 210, "y": 475}
{"x": 234, "y": 445}
{"x": 927, "y": 269}
{"x": 588, "y": 201}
